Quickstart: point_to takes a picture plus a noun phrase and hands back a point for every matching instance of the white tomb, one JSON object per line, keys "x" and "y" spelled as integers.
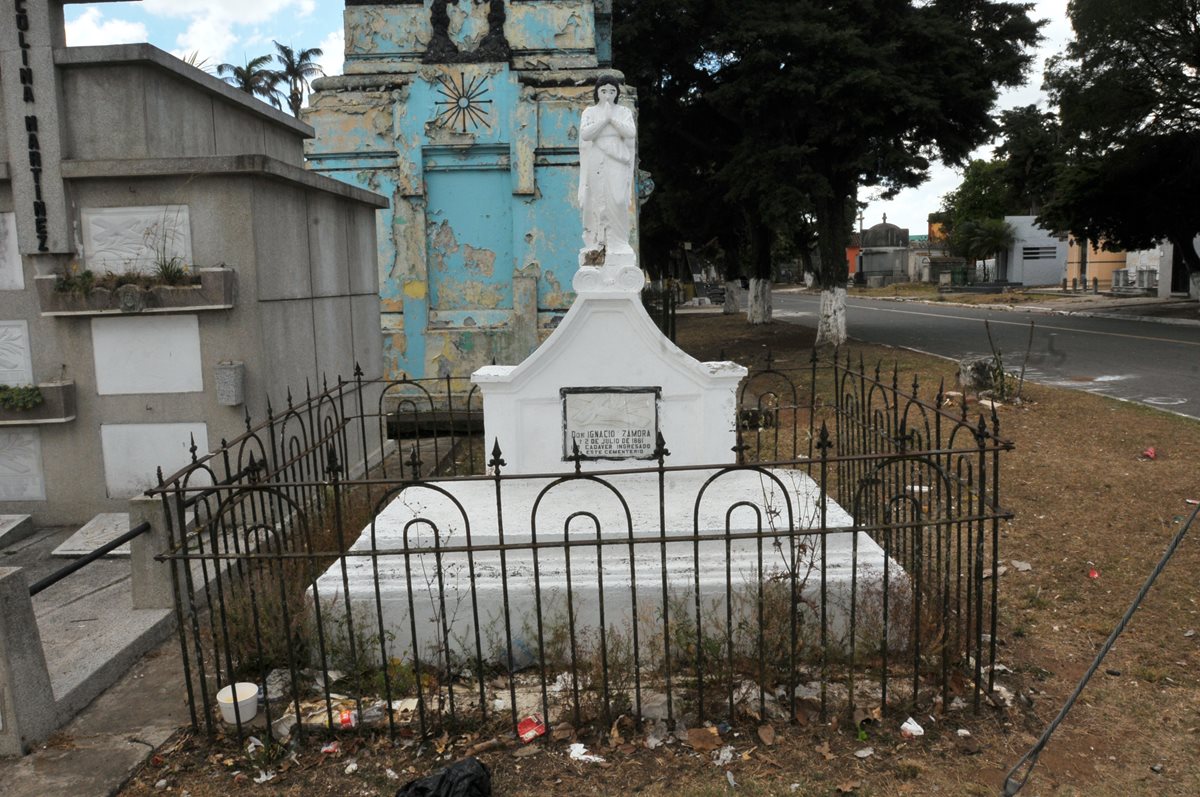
{"x": 608, "y": 381}
{"x": 596, "y": 396}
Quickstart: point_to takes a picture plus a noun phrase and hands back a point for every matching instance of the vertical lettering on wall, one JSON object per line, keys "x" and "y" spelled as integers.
{"x": 34, "y": 149}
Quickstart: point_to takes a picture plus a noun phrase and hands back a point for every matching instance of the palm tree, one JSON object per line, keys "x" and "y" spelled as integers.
{"x": 255, "y": 78}
{"x": 297, "y": 69}
{"x": 979, "y": 240}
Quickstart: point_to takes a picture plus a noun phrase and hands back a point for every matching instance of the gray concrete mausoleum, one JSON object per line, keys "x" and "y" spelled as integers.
{"x": 123, "y": 159}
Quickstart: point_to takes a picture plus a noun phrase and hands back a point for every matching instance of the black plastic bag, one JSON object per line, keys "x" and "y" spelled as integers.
{"x": 466, "y": 778}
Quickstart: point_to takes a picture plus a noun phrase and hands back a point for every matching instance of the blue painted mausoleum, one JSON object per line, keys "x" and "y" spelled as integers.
{"x": 465, "y": 113}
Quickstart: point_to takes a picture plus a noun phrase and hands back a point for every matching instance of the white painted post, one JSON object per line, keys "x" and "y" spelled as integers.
{"x": 27, "y": 713}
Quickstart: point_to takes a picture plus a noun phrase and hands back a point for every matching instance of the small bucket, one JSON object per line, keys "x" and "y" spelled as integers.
{"x": 247, "y": 702}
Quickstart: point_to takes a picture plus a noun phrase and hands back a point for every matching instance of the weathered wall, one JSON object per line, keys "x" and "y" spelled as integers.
{"x": 475, "y": 145}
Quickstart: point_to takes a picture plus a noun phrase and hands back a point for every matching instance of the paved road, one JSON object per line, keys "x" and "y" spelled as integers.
{"x": 1154, "y": 364}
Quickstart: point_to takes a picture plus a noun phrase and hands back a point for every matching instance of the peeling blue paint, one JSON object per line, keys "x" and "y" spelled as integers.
{"x": 481, "y": 163}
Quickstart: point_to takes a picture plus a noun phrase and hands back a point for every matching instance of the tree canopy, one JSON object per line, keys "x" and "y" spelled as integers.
{"x": 799, "y": 104}
{"x": 1128, "y": 95}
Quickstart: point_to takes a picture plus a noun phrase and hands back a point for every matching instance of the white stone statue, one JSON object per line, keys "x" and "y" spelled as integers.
{"x": 607, "y": 144}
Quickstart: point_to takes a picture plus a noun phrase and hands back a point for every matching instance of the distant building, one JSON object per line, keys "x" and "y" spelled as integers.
{"x": 1037, "y": 256}
{"x": 885, "y": 254}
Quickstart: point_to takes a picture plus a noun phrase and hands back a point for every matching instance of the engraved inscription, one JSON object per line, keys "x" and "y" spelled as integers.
{"x": 610, "y": 423}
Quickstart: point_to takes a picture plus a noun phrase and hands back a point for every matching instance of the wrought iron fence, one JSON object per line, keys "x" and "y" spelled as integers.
{"x": 362, "y": 559}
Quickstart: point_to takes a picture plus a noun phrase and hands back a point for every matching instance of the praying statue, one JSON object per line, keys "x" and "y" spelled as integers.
{"x": 607, "y": 143}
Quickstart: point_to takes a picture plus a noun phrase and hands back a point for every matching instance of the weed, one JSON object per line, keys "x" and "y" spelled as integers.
{"x": 172, "y": 271}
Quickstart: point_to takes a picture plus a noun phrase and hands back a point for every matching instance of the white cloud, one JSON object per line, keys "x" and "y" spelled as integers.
{"x": 92, "y": 28}
{"x": 228, "y": 12}
{"x": 211, "y": 37}
{"x": 334, "y": 47}
{"x": 214, "y": 27}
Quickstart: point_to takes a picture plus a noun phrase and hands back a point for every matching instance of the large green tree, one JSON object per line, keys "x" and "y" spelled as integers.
{"x": 984, "y": 193}
{"x": 659, "y": 46}
{"x": 1128, "y": 95}
{"x": 800, "y": 103}
{"x": 1030, "y": 153}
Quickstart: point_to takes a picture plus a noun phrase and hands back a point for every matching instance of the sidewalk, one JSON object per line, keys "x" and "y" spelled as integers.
{"x": 97, "y": 752}
{"x": 87, "y": 627}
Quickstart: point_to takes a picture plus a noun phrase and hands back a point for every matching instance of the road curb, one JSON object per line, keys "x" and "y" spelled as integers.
{"x": 1041, "y": 309}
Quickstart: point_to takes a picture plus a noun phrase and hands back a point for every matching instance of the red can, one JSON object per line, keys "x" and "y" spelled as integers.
{"x": 348, "y": 718}
{"x": 531, "y": 727}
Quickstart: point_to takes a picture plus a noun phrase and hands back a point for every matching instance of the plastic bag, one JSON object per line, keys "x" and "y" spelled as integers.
{"x": 466, "y": 778}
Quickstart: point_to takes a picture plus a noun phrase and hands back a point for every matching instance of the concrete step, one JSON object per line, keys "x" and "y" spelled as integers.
{"x": 14, "y": 528}
{"x": 101, "y": 529}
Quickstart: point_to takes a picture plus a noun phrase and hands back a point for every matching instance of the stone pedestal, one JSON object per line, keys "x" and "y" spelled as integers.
{"x": 608, "y": 374}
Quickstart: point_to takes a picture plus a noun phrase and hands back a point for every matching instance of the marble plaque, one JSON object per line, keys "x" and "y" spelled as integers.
{"x": 135, "y": 238}
{"x": 610, "y": 422}
{"x": 16, "y": 365}
{"x": 147, "y": 354}
{"x": 12, "y": 277}
{"x": 21, "y": 477}
{"x": 134, "y": 451}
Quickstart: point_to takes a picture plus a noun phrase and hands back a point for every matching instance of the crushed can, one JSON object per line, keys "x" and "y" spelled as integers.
{"x": 531, "y": 727}
{"x": 348, "y": 718}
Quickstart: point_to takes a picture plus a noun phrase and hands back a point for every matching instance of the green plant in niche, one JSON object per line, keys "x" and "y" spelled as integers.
{"x": 74, "y": 280}
{"x": 20, "y": 397}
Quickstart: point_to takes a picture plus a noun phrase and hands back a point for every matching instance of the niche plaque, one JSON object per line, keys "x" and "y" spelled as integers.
{"x": 610, "y": 422}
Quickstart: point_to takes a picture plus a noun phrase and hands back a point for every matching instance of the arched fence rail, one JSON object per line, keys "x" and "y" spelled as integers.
{"x": 857, "y": 571}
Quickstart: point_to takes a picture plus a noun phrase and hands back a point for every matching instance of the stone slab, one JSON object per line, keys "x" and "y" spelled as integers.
{"x": 14, "y": 528}
{"x": 101, "y": 529}
{"x": 624, "y": 508}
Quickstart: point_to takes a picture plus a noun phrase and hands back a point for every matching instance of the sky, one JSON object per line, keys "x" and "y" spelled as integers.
{"x": 235, "y": 31}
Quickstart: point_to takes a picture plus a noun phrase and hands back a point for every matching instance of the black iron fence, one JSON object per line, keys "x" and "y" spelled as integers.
{"x": 366, "y": 561}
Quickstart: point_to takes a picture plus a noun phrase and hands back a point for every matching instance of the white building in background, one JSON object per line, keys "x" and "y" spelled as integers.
{"x": 1037, "y": 256}
{"x": 1172, "y": 273}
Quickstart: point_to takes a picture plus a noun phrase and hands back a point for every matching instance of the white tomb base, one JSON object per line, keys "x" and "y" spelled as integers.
{"x": 751, "y": 494}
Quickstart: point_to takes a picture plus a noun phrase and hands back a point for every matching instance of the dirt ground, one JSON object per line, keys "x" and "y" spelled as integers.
{"x": 1084, "y": 496}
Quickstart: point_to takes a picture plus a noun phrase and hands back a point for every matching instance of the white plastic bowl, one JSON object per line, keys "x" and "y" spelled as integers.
{"x": 247, "y": 702}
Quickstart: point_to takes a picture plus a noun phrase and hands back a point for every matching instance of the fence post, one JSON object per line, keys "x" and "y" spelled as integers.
{"x": 151, "y": 580}
{"x": 27, "y": 706}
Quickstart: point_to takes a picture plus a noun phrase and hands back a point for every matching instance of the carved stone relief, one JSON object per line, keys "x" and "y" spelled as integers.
{"x": 21, "y": 477}
{"x": 136, "y": 238}
{"x": 16, "y": 364}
